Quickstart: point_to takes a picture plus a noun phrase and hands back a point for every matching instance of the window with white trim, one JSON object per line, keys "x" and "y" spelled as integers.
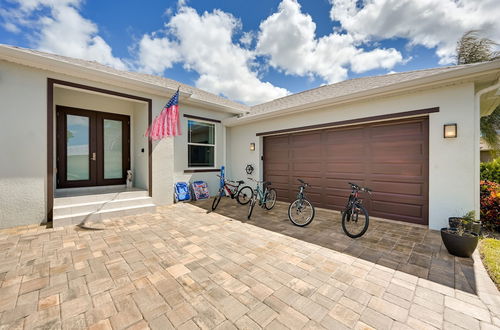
{"x": 201, "y": 144}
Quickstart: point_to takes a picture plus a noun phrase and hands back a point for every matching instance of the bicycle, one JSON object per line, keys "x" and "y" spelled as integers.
{"x": 355, "y": 218}
{"x": 265, "y": 195}
{"x": 301, "y": 212}
{"x": 232, "y": 189}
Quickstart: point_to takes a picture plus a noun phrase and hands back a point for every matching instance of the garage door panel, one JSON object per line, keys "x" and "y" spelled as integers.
{"x": 283, "y": 195}
{"x": 344, "y": 135}
{"x": 277, "y": 167}
{"x": 306, "y": 168}
{"x": 397, "y": 208}
{"x": 399, "y": 169}
{"x": 312, "y": 152}
{"x": 398, "y": 198}
{"x": 406, "y": 188}
{"x": 332, "y": 168}
{"x": 390, "y": 157}
{"x": 314, "y": 197}
{"x": 277, "y": 178}
{"x": 277, "y": 155}
{"x": 409, "y": 130}
{"x": 344, "y": 151}
{"x": 334, "y": 202}
{"x": 307, "y": 139}
{"x": 397, "y": 152}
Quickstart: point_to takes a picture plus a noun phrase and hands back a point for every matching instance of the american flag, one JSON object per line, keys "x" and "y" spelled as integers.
{"x": 167, "y": 123}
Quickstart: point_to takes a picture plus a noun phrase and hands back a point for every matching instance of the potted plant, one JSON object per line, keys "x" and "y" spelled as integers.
{"x": 460, "y": 239}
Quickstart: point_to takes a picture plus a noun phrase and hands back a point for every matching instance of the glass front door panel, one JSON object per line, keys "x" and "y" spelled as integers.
{"x": 77, "y": 153}
{"x": 113, "y": 155}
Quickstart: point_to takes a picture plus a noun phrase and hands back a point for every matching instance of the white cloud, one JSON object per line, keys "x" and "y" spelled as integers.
{"x": 247, "y": 38}
{"x": 288, "y": 37}
{"x": 431, "y": 23}
{"x": 63, "y": 30}
{"x": 377, "y": 58}
{"x": 157, "y": 54}
{"x": 203, "y": 43}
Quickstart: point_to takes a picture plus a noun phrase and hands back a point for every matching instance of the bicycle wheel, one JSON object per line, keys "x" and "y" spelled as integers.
{"x": 250, "y": 207}
{"x": 216, "y": 201}
{"x": 270, "y": 199}
{"x": 244, "y": 195}
{"x": 301, "y": 212}
{"x": 355, "y": 222}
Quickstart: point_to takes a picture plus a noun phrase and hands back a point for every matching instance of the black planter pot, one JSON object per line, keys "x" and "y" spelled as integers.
{"x": 460, "y": 246}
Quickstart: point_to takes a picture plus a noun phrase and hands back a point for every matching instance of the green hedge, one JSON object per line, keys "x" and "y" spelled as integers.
{"x": 491, "y": 171}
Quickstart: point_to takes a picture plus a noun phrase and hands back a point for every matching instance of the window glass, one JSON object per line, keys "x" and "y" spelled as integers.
{"x": 113, "y": 149}
{"x": 201, "y": 156}
{"x": 200, "y": 132}
{"x": 201, "y": 144}
{"x": 77, "y": 152}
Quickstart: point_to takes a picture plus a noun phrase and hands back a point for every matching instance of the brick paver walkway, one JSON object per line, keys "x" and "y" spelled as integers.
{"x": 183, "y": 268}
{"x": 409, "y": 248}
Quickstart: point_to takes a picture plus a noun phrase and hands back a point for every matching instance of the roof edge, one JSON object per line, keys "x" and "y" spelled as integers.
{"x": 423, "y": 82}
{"x": 19, "y": 56}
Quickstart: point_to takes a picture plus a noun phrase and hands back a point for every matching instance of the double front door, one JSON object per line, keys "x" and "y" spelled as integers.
{"x": 93, "y": 148}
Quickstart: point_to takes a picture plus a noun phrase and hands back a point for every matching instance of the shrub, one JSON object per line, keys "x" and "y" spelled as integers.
{"x": 490, "y": 205}
{"x": 491, "y": 171}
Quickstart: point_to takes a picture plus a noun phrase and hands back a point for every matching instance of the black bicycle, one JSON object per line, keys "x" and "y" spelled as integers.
{"x": 355, "y": 218}
{"x": 232, "y": 189}
{"x": 301, "y": 211}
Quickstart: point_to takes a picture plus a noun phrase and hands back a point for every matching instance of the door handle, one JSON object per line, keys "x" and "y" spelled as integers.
{"x": 94, "y": 156}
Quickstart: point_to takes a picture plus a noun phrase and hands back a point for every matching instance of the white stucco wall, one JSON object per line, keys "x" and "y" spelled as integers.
{"x": 181, "y": 147}
{"x": 23, "y": 141}
{"x": 451, "y": 161}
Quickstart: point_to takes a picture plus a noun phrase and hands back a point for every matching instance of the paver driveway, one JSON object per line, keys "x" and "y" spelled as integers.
{"x": 409, "y": 248}
{"x": 184, "y": 268}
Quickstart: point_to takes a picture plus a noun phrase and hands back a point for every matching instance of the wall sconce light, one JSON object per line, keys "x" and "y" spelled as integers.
{"x": 252, "y": 146}
{"x": 450, "y": 131}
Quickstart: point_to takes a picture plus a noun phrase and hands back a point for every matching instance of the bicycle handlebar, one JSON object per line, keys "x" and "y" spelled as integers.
{"x": 357, "y": 187}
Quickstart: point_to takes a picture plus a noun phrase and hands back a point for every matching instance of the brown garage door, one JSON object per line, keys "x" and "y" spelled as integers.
{"x": 389, "y": 157}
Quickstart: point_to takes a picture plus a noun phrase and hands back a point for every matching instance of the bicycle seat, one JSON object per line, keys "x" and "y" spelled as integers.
{"x": 240, "y": 182}
{"x": 305, "y": 184}
{"x": 266, "y": 183}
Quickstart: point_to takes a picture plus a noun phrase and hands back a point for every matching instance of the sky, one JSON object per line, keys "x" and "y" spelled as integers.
{"x": 251, "y": 51}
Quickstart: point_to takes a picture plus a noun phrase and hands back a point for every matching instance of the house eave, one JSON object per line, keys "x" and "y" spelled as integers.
{"x": 81, "y": 72}
{"x": 462, "y": 75}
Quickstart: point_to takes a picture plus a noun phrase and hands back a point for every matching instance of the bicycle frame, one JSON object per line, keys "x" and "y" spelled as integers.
{"x": 352, "y": 203}
{"x": 260, "y": 194}
{"x": 231, "y": 189}
{"x": 301, "y": 194}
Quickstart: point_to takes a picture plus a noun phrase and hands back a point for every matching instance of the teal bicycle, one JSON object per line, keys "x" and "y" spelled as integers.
{"x": 263, "y": 194}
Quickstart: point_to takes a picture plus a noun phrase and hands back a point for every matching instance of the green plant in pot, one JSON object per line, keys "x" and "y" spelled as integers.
{"x": 462, "y": 238}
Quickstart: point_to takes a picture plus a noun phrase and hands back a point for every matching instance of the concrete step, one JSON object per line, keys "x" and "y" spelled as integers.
{"x": 98, "y": 216}
{"x": 104, "y": 197}
{"x": 100, "y": 205}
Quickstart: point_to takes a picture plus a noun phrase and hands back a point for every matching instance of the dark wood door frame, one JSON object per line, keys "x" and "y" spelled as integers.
{"x": 50, "y": 134}
{"x": 96, "y": 140}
